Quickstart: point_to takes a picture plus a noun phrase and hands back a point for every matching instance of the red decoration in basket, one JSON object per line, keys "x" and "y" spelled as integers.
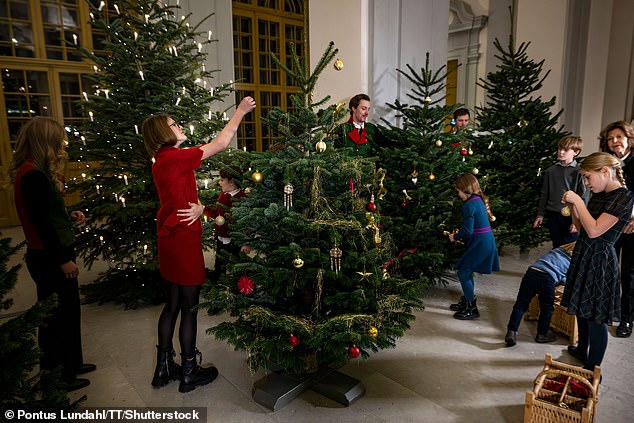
{"x": 575, "y": 388}
{"x": 293, "y": 340}
{"x": 246, "y": 285}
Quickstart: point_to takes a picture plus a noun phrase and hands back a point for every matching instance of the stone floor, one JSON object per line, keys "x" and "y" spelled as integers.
{"x": 443, "y": 370}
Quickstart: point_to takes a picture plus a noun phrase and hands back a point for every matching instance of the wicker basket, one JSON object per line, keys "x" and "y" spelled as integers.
{"x": 546, "y": 406}
{"x": 561, "y": 322}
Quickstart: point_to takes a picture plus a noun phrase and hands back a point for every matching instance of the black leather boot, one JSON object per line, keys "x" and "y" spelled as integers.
{"x": 469, "y": 312}
{"x": 193, "y": 375}
{"x": 166, "y": 367}
{"x": 459, "y": 305}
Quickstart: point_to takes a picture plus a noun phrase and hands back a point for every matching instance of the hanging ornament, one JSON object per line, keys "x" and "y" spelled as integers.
{"x": 354, "y": 351}
{"x": 335, "y": 259}
{"x": 377, "y": 237}
{"x": 338, "y": 65}
{"x": 380, "y": 176}
{"x": 246, "y": 285}
{"x": 320, "y": 146}
{"x": 470, "y": 151}
{"x": 298, "y": 262}
{"x": 293, "y": 340}
{"x": 220, "y": 220}
{"x": 522, "y": 122}
{"x": 453, "y": 122}
{"x": 386, "y": 275}
{"x": 414, "y": 176}
{"x": 428, "y": 99}
{"x": 475, "y": 171}
{"x": 438, "y": 143}
{"x": 373, "y": 332}
{"x": 565, "y": 212}
{"x": 288, "y": 196}
{"x": 431, "y": 177}
{"x": 257, "y": 177}
{"x": 463, "y": 151}
{"x": 406, "y": 198}
{"x": 371, "y": 205}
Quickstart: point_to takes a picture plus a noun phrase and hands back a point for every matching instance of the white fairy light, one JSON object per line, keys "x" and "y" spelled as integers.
{"x": 178, "y": 100}
{"x": 117, "y": 9}
{"x": 107, "y": 92}
{"x": 191, "y": 129}
{"x": 125, "y": 179}
{"x": 136, "y": 129}
{"x": 141, "y": 75}
{"x": 91, "y": 116}
{"x": 123, "y": 201}
{"x": 136, "y": 35}
{"x": 209, "y": 36}
{"x": 200, "y": 47}
{"x": 101, "y": 5}
{"x": 75, "y": 38}
{"x": 85, "y": 95}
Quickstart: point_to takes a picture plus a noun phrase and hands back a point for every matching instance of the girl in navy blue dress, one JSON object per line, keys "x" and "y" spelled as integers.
{"x": 481, "y": 254}
{"x": 592, "y": 283}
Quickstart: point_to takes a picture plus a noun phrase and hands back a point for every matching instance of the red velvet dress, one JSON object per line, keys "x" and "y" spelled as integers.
{"x": 179, "y": 246}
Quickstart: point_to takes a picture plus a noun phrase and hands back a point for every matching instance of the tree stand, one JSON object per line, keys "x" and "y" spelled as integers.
{"x": 278, "y": 389}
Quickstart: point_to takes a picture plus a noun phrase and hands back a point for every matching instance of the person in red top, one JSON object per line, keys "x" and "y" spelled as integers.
{"x": 37, "y": 171}
{"x": 179, "y": 233}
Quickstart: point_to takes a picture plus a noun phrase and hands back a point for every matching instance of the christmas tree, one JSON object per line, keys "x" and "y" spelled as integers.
{"x": 528, "y": 146}
{"x": 315, "y": 292}
{"x": 155, "y": 64}
{"x": 21, "y": 386}
{"x": 419, "y": 202}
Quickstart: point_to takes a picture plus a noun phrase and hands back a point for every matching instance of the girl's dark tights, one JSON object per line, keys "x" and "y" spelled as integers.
{"x": 593, "y": 339}
{"x": 181, "y": 300}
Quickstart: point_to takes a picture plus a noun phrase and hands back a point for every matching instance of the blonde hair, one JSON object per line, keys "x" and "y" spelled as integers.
{"x": 596, "y": 161}
{"x": 469, "y": 184}
{"x": 41, "y": 140}
{"x": 157, "y": 133}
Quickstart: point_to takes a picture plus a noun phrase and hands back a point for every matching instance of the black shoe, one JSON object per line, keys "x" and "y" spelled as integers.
{"x": 469, "y": 312}
{"x": 510, "y": 338}
{"x": 459, "y": 305}
{"x": 624, "y": 330}
{"x": 75, "y": 384}
{"x": 578, "y": 354}
{"x": 86, "y": 368}
{"x": 192, "y": 375}
{"x": 547, "y": 337}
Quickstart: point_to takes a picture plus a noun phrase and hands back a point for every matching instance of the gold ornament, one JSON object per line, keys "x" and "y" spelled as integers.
{"x": 338, "y": 65}
{"x": 431, "y": 177}
{"x": 475, "y": 171}
{"x": 257, "y": 177}
{"x": 298, "y": 262}
{"x": 373, "y": 331}
{"x": 565, "y": 212}
{"x": 438, "y": 143}
{"x": 428, "y": 99}
{"x": 220, "y": 220}
{"x": 335, "y": 259}
{"x": 470, "y": 152}
{"x": 493, "y": 219}
{"x": 288, "y": 196}
{"x": 320, "y": 146}
{"x": 380, "y": 176}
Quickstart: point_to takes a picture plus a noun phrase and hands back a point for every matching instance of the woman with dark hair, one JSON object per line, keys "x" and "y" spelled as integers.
{"x": 179, "y": 233}
{"x": 37, "y": 172}
{"x": 617, "y": 138}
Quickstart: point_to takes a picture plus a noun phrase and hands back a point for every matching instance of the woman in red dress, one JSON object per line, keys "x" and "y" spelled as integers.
{"x": 179, "y": 233}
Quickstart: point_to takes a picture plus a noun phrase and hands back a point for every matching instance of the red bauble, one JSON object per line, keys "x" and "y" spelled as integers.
{"x": 372, "y": 207}
{"x": 463, "y": 152}
{"x": 404, "y": 204}
{"x": 246, "y": 285}
{"x": 293, "y": 340}
{"x": 354, "y": 351}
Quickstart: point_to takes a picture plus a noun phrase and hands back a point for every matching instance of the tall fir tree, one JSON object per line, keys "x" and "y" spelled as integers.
{"x": 315, "y": 292}
{"x": 22, "y": 386}
{"x": 155, "y": 63}
{"x": 528, "y": 146}
{"x": 420, "y": 202}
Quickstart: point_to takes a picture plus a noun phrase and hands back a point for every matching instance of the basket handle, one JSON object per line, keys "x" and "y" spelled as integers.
{"x": 542, "y": 375}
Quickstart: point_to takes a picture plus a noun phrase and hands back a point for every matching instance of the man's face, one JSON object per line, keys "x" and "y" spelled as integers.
{"x": 361, "y": 112}
{"x": 462, "y": 121}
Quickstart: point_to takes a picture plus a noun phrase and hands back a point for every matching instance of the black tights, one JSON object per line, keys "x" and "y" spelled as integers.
{"x": 593, "y": 340}
{"x": 181, "y": 299}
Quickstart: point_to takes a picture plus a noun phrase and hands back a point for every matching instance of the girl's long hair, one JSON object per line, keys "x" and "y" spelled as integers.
{"x": 469, "y": 184}
{"x": 41, "y": 140}
{"x": 595, "y": 161}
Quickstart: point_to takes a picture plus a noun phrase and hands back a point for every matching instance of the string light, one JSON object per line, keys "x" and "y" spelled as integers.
{"x": 117, "y": 9}
{"x": 101, "y": 5}
{"x": 191, "y": 129}
{"x": 91, "y": 119}
{"x": 141, "y": 74}
{"x": 85, "y": 95}
{"x": 136, "y": 129}
{"x": 209, "y": 36}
